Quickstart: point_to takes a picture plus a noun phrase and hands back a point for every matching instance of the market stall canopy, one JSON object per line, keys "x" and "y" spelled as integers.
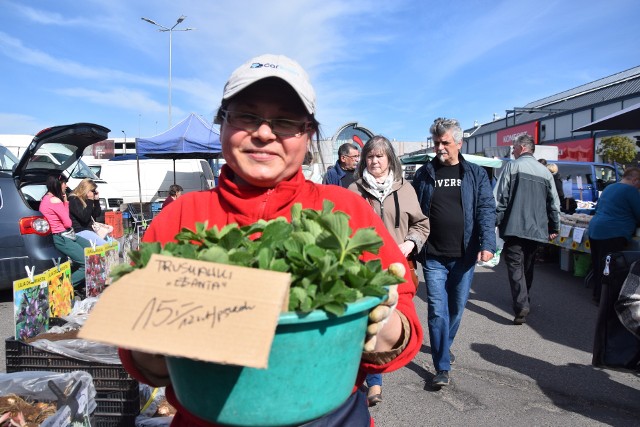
{"x": 427, "y": 157}
{"x": 192, "y": 138}
{"x": 625, "y": 119}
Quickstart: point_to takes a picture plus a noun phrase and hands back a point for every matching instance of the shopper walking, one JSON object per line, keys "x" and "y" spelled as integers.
{"x": 456, "y": 196}
{"x": 528, "y": 213}
{"x": 379, "y": 180}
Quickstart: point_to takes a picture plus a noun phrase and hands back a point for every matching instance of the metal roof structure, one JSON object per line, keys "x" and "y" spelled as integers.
{"x": 617, "y": 86}
{"x": 599, "y": 85}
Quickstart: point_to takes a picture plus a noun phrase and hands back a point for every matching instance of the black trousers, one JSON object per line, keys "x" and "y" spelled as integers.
{"x": 520, "y": 256}
{"x": 599, "y": 250}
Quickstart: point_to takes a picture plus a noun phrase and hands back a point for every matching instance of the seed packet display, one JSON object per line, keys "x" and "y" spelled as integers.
{"x": 31, "y": 306}
{"x": 60, "y": 290}
{"x": 112, "y": 258}
{"x": 98, "y": 264}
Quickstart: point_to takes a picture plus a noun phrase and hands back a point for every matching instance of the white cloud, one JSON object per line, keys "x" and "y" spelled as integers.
{"x": 19, "y": 124}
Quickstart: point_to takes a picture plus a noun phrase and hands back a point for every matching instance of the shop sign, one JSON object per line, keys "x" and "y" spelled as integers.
{"x": 506, "y": 137}
{"x": 580, "y": 150}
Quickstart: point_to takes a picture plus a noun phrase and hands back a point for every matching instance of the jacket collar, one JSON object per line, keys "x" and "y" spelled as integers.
{"x": 246, "y": 199}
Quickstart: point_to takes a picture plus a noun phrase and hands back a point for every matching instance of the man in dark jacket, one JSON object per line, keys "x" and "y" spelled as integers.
{"x": 342, "y": 173}
{"x": 528, "y": 213}
{"x": 456, "y": 196}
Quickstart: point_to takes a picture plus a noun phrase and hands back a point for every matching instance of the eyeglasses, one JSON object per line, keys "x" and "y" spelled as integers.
{"x": 251, "y": 123}
{"x": 355, "y": 156}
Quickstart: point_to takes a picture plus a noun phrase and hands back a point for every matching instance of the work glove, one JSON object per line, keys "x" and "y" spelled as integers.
{"x": 379, "y": 316}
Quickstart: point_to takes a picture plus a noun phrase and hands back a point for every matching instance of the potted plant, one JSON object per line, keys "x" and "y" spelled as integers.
{"x": 317, "y": 347}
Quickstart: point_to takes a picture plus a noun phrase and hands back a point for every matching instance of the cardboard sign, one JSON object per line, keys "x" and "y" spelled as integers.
{"x": 578, "y": 232}
{"x": 194, "y": 309}
{"x": 565, "y": 230}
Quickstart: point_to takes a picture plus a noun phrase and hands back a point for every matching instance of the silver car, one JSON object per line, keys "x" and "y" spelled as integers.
{"x": 25, "y": 237}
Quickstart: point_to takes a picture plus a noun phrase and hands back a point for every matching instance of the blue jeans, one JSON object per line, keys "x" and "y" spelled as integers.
{"x": 448, "y": 283}
{"x": 91, "y": 236}
{"x": 374, "y": 379}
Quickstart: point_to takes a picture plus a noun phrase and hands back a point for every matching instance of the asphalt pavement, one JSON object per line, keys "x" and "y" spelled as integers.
{"x": 537, "y": 374}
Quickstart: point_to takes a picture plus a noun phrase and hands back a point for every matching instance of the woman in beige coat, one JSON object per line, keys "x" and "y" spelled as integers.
{"x": 379, "y": 180}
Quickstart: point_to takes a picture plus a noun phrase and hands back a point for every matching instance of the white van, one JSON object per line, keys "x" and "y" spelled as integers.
{"x": 156, "y": 175}
{"x": 56, "y": 154}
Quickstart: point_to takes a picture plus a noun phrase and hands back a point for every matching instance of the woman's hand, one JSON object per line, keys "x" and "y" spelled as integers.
{"x": 407, "y": 247}
{"x": 385, "y": 326}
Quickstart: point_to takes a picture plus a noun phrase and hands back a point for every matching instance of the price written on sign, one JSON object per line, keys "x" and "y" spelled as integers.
{"x": 194, "y": 309}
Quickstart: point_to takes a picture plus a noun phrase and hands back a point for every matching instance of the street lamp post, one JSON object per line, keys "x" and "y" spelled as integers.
{"x": 170, "y": 31}
{"x": 125, "y": 142}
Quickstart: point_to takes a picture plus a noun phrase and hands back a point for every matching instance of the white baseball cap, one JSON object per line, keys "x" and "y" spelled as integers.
{"x": 268, "y": 65}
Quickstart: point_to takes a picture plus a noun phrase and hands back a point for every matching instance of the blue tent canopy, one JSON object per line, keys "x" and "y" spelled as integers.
{"x": 192, "y": 138}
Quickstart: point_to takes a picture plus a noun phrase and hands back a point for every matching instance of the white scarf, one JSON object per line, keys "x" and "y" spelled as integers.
{"x": 378, "y": 190}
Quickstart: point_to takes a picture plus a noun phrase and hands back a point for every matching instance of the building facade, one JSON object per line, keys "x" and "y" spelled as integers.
{"x": 552, "y": 120}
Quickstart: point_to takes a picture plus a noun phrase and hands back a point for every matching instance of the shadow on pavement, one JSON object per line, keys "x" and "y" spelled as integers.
{"x": 421, "y": 371}
{"x": 561, "y": 308}
{"x": 563, "y": 383}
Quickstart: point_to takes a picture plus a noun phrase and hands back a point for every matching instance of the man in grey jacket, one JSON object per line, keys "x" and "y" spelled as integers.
{"x": 527, "y": 214}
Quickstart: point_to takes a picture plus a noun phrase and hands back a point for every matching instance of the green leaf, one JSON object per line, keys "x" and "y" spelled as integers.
{"x": 121, "y": 270}
{"x": 334, "y": 308}
{"x": 214, "y": 254}
{"x": 365, "y": 240}
{"x": 275, "y": 232}
{"x": 316, "y": 248}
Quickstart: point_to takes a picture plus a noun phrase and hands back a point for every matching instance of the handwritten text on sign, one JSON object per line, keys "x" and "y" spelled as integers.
{"x": 194, "y": 309}
{"x": 172, "y": 313}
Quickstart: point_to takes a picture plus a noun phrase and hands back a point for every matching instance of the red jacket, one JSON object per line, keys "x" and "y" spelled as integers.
{"x": 229, "y": 203}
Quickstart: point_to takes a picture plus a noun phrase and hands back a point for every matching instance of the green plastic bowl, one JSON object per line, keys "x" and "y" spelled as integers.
{"x": 313, "y": 365}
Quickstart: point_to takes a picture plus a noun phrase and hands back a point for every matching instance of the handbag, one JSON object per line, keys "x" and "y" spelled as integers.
{"x": 69, "y": 234}
{"x": 412, "y": 270}
{"x": 102, "y": 230}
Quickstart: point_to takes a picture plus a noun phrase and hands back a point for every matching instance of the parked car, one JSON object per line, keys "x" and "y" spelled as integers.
{"x": 588, "y": 179}
{"x": 25, "y": 235}
{"x": 110, "y": 199}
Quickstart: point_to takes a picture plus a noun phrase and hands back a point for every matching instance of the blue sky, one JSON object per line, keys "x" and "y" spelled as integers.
{"x": 392, "y": 66}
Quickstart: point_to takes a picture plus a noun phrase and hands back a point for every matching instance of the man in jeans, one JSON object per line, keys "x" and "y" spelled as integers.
{"x": 456, "y": 196}
{"x": 528, "y": 213}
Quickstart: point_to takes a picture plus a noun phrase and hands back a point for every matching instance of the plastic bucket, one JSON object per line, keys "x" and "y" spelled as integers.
{"x": 313, "y": 365}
